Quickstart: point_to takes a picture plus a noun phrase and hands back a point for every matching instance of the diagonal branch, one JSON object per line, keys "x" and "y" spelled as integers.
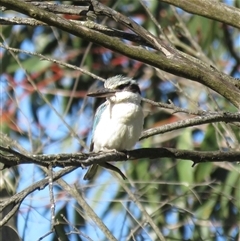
{"x": 78, "y": 196}
{"x": 215, "y": 10}
{"x": 89, "y": 24}
{"x": 65, "y": 9}
{"x": 17, "y": 199}
{"x": 100, "y": 9}
{"x": 178, "y": 63}
{"x": 52, "y": 60}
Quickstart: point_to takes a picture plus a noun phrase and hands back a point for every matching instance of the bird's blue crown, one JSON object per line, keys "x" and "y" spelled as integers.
{"x": 118, "y": 80}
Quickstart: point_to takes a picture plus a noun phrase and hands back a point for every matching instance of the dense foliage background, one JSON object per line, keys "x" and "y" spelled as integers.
{"x": 44, "y": 110}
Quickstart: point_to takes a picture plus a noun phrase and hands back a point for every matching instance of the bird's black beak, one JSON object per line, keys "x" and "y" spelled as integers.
{"x": 102, "y": 93}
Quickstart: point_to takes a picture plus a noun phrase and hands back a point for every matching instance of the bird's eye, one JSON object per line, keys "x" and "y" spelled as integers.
{"x": 123, "y": 86}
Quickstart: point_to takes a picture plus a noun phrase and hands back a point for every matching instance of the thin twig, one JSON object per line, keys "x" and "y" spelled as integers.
{"x": 51, "y": 195}
{"x": 52, "y": 60}
{"x": 77, "y": 195}
{"x": 17, "y": 199}
{"x": 147, "y": 217}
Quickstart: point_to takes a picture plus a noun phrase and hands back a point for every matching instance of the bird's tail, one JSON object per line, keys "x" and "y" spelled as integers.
{"x": 91, "y": 172}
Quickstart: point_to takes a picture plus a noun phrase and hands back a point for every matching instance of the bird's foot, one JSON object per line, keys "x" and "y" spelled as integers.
{"x": 107, "y": 150}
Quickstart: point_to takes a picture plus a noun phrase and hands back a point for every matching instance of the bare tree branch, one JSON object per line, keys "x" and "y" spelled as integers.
{"x": 199, "y": 120}
{"x": 86, "y": 159}
{"x": 177, "y": 109}
{"x": 65, "y": 9}
{"x": 21, "y": 21}
{"x": 89, "y": 24}
{"x": 215, "y": 10}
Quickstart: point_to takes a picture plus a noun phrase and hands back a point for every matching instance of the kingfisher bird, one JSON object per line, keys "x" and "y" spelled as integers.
{"x": 118, "y": 122}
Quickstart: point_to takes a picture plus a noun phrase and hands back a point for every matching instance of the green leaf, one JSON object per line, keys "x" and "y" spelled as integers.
{"x": 205, "y": 210}
{"x": 203, "y": 171}
{"x": 61, "y": 225}
{"x": 227, "y": 193}
{"x": 184, "y": 167}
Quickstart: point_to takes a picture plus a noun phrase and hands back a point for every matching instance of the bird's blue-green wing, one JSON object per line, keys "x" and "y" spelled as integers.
{"x": 96, "y": 120}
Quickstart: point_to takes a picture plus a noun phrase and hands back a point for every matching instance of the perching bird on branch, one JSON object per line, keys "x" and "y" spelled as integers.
{"x": 118, "y": 122}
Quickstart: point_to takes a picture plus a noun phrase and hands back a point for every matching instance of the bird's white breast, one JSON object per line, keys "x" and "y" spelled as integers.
{"x": 119, "y": 127}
